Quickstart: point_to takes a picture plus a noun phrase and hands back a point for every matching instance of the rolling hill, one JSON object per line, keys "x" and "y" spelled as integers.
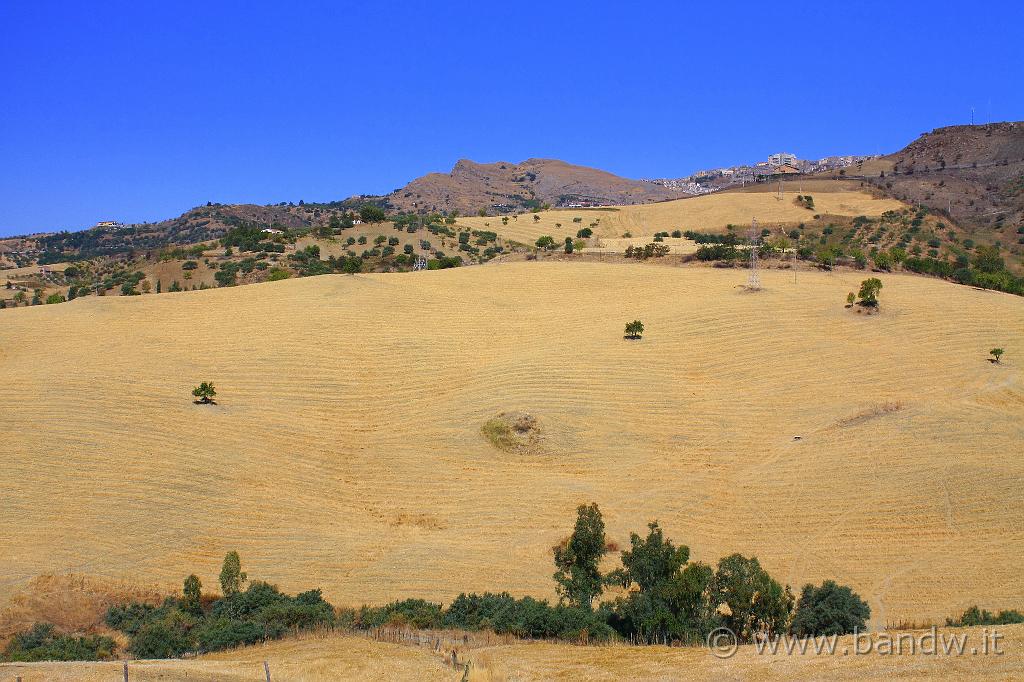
{"x": 504, "y": 187}
{"x": 975, "y": 174}
{"x": 709, "y": 212}
{"x": 346, "y": 450}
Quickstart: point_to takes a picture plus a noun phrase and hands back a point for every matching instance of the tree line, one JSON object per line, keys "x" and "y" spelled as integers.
{"x": 660, "y": 596}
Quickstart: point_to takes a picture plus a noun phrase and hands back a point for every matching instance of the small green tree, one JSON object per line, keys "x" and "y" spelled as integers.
{"x": 578, "y": 578}
{"x": 371, "y": 214}
{"x": 204, "y": 392}
{"x": 869, "y": 289}
{"x": 850, "y": 298}
{"x": 634, "y": 329}
{"x": 191, "y": 601}
{"x": 755, "y": 601}
{"x": 546, "y": 242}
{"x": 568, "y": 245}
{"x": 231, "y": 574}
{"x": 997, "y": 354}
{"x": 829, "y": 610}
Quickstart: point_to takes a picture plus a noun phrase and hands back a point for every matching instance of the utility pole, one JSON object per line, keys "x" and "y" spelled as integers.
{"x": 754, "y": 281}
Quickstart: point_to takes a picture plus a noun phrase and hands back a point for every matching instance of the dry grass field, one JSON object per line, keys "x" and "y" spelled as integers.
{"x": 303, "y": 660}
{"x": 353, "y": 658}
{"x": 710, "y": 212}
{"x": 346, "y": 450}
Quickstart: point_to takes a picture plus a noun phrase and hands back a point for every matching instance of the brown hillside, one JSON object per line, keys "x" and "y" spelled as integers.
{"x": 504, "y": 187}
{"x": 975, "y": 173}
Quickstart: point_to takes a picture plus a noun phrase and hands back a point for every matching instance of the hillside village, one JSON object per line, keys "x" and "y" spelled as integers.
{"x": 777, "y": 165}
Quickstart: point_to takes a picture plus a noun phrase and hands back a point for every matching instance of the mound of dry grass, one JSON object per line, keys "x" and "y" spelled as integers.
{"x": 511, "y": 431}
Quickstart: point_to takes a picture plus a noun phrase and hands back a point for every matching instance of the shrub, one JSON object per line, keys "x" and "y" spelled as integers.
{"x": 721, "y": 252}
{"x": 975, "y": 616}
{"x": 277, "y": 274}
{"x": 829, "y": 610}
{"x": 369, "y": 213}
{"x": 204, "y": 392}
{"x": 416, "y": 613}
{"x": 42, "y": 643}
{"x": 546, "y": 242}
{"x": 634, "y": 329}
{"x": 755, "y": 601}
{"x": 869, "y": 289}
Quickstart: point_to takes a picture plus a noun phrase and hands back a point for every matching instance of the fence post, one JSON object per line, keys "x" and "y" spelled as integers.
{"x": 125, "y": 670}
{"x": 266, "y": 669}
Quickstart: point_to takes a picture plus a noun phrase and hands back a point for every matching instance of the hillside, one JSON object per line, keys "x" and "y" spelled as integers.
{"x": 975, "y": 173}
{"x": 504, "y": 187}
{"x": 709, "y": 212}
{"x": 346, "y": 449}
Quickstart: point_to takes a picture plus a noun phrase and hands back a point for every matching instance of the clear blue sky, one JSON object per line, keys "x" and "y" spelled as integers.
{"x": 138, "y": 111}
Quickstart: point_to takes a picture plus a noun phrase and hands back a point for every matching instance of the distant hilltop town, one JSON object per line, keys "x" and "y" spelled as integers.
{"x": 781, "y": 163}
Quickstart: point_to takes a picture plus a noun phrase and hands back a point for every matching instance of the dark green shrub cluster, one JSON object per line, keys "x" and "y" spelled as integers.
{"x": 308, "y": 263}
{"x": 976, "y": 616}
{"x": 706, "y": 238}
{"x": 183, "y": 625}
{"x": 443, "y": 262}
{"x": 724, "y": 252}
{"x": 249, "y": 237}
{"x": 500, "y": 613}
{"x": 651, "y": 250}
{"x": 227, "y": 274}
{"x": 42, "y": 643}
{"x": 829, "y": 610}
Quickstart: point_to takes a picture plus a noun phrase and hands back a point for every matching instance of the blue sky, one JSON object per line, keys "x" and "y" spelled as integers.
{"x": 137, "y": 111}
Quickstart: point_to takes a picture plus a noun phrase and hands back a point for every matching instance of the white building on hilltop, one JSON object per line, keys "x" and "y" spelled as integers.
{"x": 782, "y": 159}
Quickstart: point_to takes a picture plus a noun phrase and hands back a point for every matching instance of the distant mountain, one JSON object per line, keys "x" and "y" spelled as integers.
{"x": 504, "y": 187}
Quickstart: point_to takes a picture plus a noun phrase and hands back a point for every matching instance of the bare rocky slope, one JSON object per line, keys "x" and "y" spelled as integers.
{"x": 506, "y": 187}
{"x": 974, "y": 173}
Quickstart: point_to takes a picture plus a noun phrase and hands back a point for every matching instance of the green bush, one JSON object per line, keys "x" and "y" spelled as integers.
{"x": 975, "y": 616}
{"x": 42, "y": 643}
{"x": 829, "y": 610}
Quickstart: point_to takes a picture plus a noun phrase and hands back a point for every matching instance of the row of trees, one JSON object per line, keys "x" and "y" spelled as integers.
{"x": 668, "y": 598}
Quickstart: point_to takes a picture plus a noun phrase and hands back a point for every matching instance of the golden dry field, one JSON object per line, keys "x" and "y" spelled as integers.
{"x": 710, "y": 212}
{"x": 305, "y": 660}
{"x": 346, "y": 450}
{"x": 314, "y": 659}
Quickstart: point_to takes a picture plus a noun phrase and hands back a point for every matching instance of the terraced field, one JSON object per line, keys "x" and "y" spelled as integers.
{"x": 346, "y": 449}
{"x": 710, "y": 212}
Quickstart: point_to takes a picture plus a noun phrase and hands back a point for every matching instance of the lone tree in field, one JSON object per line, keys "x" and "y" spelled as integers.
{"x": 231, "y": 574}
{"x": 578, "y": 560}
{"x": 869, "y": 289}
{"x": 634, "y": 329}
{"x": 997, "y": 354}
{"x": 850, "y": 298}
{"x": 204, "y": 393}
